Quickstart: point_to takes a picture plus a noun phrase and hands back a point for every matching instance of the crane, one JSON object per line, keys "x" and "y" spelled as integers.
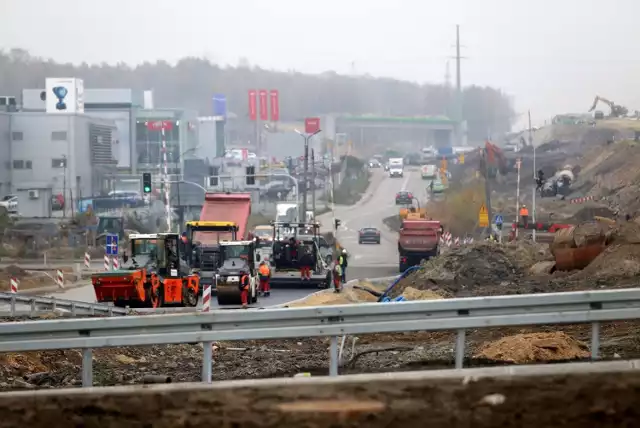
{"x": 616, "y": 110}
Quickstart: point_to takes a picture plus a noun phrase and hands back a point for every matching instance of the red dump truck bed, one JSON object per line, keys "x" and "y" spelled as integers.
{"x": 419, "y": 235}
{"x": 234, "y": 207}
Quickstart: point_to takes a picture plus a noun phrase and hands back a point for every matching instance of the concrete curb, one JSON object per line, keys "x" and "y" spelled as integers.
{"x": 52, "y": 289}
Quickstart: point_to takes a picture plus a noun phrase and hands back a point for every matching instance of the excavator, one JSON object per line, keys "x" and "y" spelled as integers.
{"x": 493, "y": 161}
{"x": 413, "y": 212}
{"x": 616, "y": 109}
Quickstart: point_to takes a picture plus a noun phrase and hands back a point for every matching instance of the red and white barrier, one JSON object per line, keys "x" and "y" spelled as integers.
{"x": 87, "y": 260}
{"x": 14, "y": 285}
{"x": 60, "y": 278}
{"x": 581, "y": 200}
{"x": 107, "y": 263}
{"x": 116, "y": 263}
{"x": 206, "y": 298}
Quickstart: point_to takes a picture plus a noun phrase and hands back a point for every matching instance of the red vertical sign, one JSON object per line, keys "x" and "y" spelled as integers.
{"x": 312, "y": 125}
{"x": 253, "y": 104}
{"x": 275, "y": 105}
{"x": 264, "y": 108}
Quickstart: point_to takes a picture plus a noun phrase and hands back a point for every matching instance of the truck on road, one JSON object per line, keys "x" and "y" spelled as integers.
{"x": 418, "y": 240}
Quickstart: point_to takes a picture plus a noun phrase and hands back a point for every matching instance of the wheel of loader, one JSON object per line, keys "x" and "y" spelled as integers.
{"x": 190, "y": 296}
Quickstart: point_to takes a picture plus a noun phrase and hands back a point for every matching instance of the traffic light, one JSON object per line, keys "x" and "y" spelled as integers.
{"x": 251, "y": 175}
{"x": 146, "y": 182}
{"x": 336, "y": 223}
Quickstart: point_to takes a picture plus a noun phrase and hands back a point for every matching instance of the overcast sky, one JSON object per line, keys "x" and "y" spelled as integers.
{"x": 551, "y": 56}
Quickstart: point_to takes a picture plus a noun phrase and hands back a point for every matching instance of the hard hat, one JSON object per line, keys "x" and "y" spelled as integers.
{"x": 524, "y": 206}
{"x": 344, "y": 251}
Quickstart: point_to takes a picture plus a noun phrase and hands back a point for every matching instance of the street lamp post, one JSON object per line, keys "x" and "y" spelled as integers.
{"x": 64, "y": 186}
{"x": 306, "y": 137}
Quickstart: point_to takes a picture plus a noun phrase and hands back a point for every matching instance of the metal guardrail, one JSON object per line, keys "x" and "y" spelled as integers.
{"x": 37, "y": 303}
{"x": 451, "y": 314}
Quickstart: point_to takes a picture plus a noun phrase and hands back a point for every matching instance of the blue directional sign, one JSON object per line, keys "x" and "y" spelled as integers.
{"x": 499, "y": 219}
{"x": 112, "y": 245}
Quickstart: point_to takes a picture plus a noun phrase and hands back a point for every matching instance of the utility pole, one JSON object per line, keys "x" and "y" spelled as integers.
{"x": 305, "y": 185}
{"x": 487, "y": 188}
{"x": 458, "y": 108}
{"x": 64, "y": 186}
{"x": 533, "y": 205}
{"x": 313, "y": 177}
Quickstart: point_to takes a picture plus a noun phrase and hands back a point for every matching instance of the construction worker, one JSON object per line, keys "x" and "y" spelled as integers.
{"x": 524, "y": 214}
{"x": 305, "y": 263}
{"x": 244, "y": 289}
{"x": 184, "y": 243}
{"x": 337, "y": 277}
{"x": 265, "y": 274}
{"x": 342, "y": 260}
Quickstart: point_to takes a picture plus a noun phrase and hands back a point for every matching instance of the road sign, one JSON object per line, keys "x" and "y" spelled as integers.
{"x": 312, "y": 125}
{"x": 112, "y": 245}
{"x": 443, "y": 164}
{"x": 499, "y": 219}
{"x": 461, "y": 159}
{"x": 483, "y": 216}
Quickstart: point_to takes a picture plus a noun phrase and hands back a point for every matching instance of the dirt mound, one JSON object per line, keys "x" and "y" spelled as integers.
{"x": 14, "y": 271}
{"x": 411, "y": 293}
{"x": 616, "y": 261}
{"x": 472, "y": 265}
{"x": 587, "y": 213}
{"x": 533, "y": 348}
{"x": 348, "y": 296}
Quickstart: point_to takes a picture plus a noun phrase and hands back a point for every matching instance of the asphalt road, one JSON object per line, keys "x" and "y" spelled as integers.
{"x": 366, "y": 261}
{"x": 373, "y": 260}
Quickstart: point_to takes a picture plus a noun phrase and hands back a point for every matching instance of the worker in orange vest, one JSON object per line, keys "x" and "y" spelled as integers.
{"x": 524, "y": 214}
{"x": 265, "y": 274}
{"x": 244, "y": 289}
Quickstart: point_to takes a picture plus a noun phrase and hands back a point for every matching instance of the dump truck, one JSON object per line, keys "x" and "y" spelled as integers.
{"x": 156, "y": 276}
{"x": 236, "y": 257}
{"x": 418, "y": 240}
{"x": 285, "y": 269}
{"x": 226, "y": 207}
{"x": 203, "y": 248}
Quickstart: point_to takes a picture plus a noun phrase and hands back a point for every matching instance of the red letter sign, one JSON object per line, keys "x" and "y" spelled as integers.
{"x": 275, "y": 107}
{"x": 253, "y": 108}
{"x": 264, "y": 109}
{"x": 312, "y": 125}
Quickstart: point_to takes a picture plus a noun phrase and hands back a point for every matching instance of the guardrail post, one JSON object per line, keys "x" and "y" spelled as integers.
{"x": 207, "y": 361}
{"x": 87, "y": 368}
{"x": 54, "y": 304}
{"x": 73, "y": 309}
{"x": 333, "y": 356}
{"x": 93, "y": 309}
{"x": 33, "y": 307}
{"x": 460, "y": 342}
{"x": 595, "y": 340}
{"x": 13, "y": 306}
{"x": 110, "y": 310}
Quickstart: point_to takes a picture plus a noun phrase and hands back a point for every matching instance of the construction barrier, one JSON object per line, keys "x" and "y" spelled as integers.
{"x": 60, "y": 278}
{"x": 107, "y": 263}
{"x": 206, "y": 298}
{"x": 116, "y": 263}
{"x": 87, "y": 260}
{"x": 14, "y": 285}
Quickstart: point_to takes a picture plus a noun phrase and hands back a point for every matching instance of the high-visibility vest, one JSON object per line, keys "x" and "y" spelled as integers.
{"x": 524, "y": 211}
{"x": 264, "y": 270}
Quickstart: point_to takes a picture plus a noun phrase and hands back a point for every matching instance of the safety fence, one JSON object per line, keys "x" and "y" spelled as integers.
{"x": 591, "y": 307}
{"x": 36, "y": 305}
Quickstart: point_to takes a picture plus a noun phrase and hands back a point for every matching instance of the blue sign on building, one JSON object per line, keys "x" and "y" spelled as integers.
{"x": 220, "y": 105}
{"x": 112, "y": 245}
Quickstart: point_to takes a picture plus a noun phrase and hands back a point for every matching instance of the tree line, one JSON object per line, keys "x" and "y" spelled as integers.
{"x": 191, "y": 82}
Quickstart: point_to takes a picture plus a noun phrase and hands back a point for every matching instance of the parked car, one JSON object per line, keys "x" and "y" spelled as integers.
{"x": 369, "y": 234}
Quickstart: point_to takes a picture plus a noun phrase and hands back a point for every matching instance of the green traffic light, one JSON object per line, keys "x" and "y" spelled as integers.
{"x": 147, "y": 189}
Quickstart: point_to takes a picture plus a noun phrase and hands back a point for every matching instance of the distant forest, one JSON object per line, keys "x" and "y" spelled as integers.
{"x": 192, "y": 81}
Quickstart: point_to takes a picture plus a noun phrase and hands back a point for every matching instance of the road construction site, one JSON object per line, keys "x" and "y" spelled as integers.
{"x": 479, "y": 269}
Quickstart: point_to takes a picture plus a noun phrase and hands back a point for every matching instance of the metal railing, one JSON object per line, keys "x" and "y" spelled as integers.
{"x": 591, "y": 307}
{"x": 38, "y": 304}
